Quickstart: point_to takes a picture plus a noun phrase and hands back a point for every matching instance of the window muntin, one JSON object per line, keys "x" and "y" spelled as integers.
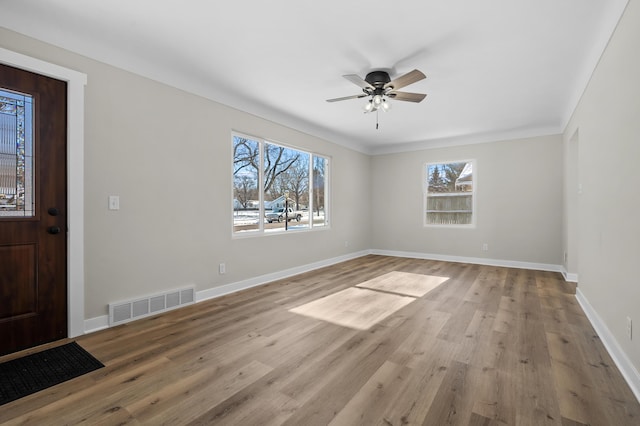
{"x": 449, "y": 195}
{"x": 272, "y": 188}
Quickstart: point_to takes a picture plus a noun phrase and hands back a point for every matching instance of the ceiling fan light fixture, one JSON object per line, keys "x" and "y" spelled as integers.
{"x": 377, "y": 100}
{"x": 368, "y": 107}
{"x": 386, "y": 106}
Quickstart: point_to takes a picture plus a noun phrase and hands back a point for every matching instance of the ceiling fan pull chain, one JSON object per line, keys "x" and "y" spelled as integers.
{"x": 376, "y": 119}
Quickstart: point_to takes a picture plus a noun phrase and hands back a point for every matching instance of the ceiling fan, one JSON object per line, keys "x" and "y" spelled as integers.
{"x": 378, "y": 86}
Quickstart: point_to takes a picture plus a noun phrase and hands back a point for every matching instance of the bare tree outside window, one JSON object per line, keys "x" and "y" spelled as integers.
{"x": 296, "y": 181}
{"x": 246, "y": 190}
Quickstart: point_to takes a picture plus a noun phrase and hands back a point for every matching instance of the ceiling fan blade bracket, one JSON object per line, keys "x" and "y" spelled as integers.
{"x": 344, "y": 98}
{"x": 407, "y": 96}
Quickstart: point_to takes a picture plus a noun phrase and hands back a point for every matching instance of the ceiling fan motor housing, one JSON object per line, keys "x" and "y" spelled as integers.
{"x": 377, "y": 78}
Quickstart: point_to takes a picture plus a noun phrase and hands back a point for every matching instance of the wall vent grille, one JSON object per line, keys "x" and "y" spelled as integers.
{"x": 123, "y": 312}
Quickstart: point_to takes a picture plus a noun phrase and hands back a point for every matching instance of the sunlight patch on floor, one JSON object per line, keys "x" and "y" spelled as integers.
{"x": 405, "y": 283}
{"x": 354, "y": 307}
{"x": 370, "y": 302}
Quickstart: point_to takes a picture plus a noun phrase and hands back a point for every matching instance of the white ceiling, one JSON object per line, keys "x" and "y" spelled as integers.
{"x": 495, "y": 69}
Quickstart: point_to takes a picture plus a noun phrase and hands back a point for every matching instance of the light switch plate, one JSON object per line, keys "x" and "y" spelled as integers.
{"x": 114, "y": 202}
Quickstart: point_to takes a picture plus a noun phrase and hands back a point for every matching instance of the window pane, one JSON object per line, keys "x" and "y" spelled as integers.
{"x": 320, "y": 170}
{"x": 246, "y": 177}
{"x": 286, "y": 188}
{"x": 449, "y": 198}
{"x": 16, "y": 155}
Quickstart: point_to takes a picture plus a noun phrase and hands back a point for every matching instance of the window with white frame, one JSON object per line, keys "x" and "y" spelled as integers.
{"x": 449, "y": 193}
{"x": 277, "y": 188}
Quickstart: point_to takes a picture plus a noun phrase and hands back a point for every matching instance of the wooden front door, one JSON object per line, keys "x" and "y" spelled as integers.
{"x": 33, "y": 203}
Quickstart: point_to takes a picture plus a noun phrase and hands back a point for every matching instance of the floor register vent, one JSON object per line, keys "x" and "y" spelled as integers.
{"x": 122, "y": 312}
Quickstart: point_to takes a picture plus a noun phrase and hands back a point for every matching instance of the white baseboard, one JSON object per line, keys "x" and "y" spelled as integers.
{"x": 96, "y": 324}
{"x": 474, "y": 260}
{"x": 100, "y": 323}
{"x": 569, "y": 277}
{"x": 264, "y": 279}
{"x": 629, "y": 372}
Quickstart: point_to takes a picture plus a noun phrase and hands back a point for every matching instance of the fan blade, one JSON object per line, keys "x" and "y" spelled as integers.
{"x": 347, "y": 97}
{"x": 405, "y": 80}
{"x": 358, "y": 81}
{"x": 407, "y": 96}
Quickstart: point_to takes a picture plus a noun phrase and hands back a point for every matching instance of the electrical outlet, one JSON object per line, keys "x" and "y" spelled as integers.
{"x": 485, "y": 247}
{"x": 346, "y": 243}
{"x": 222, "y": 268}
{"x": 629, "y": 328}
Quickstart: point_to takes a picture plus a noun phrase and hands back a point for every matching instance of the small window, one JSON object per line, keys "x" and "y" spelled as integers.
{"x": 277, "y": 188}
{"x": 449, "y": 195}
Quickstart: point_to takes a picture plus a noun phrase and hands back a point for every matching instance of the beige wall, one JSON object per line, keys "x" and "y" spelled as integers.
{"x": 518, "y": 202}
{"x": 167, "y": 154}
{"x": 608, "y": 161}
{"x": 571, "y": 147}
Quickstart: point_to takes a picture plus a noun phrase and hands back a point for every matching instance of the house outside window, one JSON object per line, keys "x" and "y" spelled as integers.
{"x": 277, "y": 188}
{"x": 449, "y": 196}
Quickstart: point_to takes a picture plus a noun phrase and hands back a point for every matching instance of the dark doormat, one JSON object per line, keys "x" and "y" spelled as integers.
{"x": 32, "y": 373}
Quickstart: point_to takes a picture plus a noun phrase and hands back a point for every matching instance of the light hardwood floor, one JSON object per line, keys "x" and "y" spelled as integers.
{"x": 488, "y": 346}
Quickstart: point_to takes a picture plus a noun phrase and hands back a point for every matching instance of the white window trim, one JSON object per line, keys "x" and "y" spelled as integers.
{"x": 425, "y": 188}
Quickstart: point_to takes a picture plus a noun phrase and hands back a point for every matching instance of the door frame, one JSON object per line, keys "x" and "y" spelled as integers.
{"x": 76, "y": 82}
